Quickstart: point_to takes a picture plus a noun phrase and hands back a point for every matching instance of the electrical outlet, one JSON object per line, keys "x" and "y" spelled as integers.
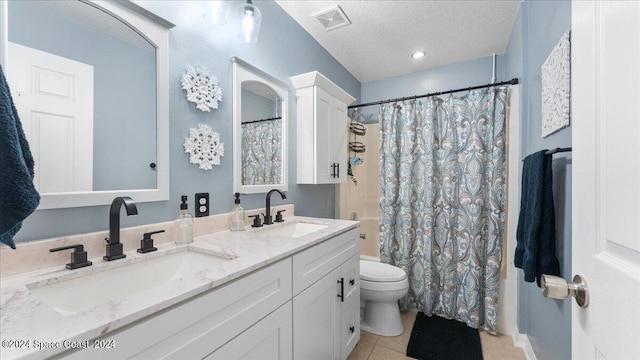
{"x": 202, "y": 204}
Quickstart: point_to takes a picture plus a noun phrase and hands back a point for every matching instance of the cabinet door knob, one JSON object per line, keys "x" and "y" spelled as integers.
{"x": 352, "y": 329}
{"x": 352, "y": 281}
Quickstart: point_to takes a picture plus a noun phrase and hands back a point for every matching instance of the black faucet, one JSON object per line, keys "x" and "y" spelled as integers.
{"x": 114, "y": 247}
{"x": 267, "y": 217}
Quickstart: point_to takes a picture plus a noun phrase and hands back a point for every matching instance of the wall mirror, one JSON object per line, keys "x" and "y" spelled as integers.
{"x": 89, "y": 80}
{"x": 260, "y": 104}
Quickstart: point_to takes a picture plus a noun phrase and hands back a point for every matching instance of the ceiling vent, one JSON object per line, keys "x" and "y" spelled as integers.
{"x": 332, "y": 18}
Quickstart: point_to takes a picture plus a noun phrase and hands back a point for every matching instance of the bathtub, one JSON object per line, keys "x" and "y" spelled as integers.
{"x": 361, "y": 201}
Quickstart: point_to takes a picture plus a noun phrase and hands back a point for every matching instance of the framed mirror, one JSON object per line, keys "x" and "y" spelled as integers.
{"x": 90, "y": 83}
{"x": 260, "y": 120}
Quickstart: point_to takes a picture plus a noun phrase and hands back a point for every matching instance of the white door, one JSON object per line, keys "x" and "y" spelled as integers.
{"x": 339, "y": 140}
{"x": 54, "y": 99}
{"x": 316, "y": 320}
{"x": 350, "y": 307}
{"x": 323, "y": 111}
{"x": 605, "y": 109}
{"x": 349, "y": 329}
{"x": 269, "y": 339}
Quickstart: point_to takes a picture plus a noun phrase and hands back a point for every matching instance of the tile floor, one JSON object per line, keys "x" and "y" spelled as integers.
{"x": 374, "y": 347}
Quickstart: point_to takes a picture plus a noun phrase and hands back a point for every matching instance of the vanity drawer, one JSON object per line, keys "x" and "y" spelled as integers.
{"x": 194, "y": 329}
{"x": 314, "y": 263}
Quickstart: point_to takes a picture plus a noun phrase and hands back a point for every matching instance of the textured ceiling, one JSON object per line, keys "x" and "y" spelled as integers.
{"x": 384, "y": 33}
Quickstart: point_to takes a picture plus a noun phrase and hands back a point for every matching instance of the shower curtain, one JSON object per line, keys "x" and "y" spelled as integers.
{"x": 261, "y": 154}
{"x": 442, "y": 205}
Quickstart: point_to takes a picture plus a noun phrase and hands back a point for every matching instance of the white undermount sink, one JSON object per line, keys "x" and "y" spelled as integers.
{"x": 83, "y": 293}
{"x": 295, "y": 229}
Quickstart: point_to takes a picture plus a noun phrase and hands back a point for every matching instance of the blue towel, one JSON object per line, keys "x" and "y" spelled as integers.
{"x": 536, "y": 233}
{"x": 18, "y": 195}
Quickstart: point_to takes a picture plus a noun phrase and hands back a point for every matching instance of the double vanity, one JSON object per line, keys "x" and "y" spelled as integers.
{"x": 286, "y": 291}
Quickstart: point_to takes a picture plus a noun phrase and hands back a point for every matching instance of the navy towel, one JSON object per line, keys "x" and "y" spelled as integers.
{"x": 18, "y": 195}
{"x": 536, "y": 234}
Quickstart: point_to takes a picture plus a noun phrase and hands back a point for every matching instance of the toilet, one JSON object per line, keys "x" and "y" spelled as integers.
{"x": 381, "y": 286}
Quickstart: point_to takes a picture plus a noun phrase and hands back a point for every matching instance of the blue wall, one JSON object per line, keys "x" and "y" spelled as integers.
{"x": 454, "y": 76}
{"x": 539, "y": 26}
{"x": 195, "y": 41}
{"x": 460, "y": 75}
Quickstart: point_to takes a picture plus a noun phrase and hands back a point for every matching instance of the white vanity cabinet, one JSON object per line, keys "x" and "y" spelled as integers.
{"x": 326, "y": 302}
{"x": 322, "y": 121}
{"x": 306, "y": 306}
{"x": 269, "y": 339}
{"x": 197, "y": 327}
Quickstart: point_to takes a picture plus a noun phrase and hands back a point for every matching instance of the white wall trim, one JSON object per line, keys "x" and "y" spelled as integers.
{"x": 522, "y": 341}
{"x": 508, "y": 291}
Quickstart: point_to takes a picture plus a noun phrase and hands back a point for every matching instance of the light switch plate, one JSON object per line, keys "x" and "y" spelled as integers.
{"x": 202, "y": 204}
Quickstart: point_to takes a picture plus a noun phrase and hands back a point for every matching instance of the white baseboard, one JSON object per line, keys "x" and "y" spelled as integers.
{"x": 522, "y": 341}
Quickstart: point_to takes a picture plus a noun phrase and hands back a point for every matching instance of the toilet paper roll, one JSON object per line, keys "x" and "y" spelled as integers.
{"x": 554, "y": 287}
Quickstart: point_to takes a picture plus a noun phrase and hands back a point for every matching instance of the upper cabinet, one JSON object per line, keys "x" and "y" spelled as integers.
{"x": 322, "y": 129}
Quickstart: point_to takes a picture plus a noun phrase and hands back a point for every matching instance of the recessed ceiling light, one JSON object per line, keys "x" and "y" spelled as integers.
{"x": 417, "y": 54}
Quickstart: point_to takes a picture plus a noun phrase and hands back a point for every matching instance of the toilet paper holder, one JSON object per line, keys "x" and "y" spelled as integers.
{"x": 558, "y": 288}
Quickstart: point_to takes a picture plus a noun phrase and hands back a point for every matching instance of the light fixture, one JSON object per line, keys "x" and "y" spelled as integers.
{"x": 217, "y": 12}
{"x": 251, "y": 18}
{"x": 417, "y": 54}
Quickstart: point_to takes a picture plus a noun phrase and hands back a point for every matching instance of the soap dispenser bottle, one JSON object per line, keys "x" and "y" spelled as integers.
{"x": 184, "y": 224}
{"x": 237, "y": 216}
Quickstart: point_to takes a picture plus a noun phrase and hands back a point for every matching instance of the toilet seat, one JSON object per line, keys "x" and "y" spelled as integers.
{"x": 374, "y": 271}
{"x": 384, "y": 286}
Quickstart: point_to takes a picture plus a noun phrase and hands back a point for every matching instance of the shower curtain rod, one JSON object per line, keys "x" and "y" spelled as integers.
{"x": 261, "y": 120}
{"x": 513, "y": 81}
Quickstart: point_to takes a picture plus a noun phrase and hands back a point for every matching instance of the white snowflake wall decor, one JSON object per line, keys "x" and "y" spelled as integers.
{"x": 201, "y": 87}
{"x": 204, "y": 147}
{"x": 556, "y": 87}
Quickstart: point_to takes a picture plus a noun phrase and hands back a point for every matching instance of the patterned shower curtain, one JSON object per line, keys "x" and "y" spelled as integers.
{"x": 442, "y": 205}
{"x": 261, "y": 153}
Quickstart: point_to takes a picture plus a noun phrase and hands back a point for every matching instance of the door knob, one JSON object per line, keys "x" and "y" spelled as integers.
{"x": 558, "y": 288}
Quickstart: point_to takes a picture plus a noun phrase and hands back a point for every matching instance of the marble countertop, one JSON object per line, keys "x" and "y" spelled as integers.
{"x": 32, "y": 329}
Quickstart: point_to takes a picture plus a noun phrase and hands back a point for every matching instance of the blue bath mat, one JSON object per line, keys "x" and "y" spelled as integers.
{"x": 436, "y": 338}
